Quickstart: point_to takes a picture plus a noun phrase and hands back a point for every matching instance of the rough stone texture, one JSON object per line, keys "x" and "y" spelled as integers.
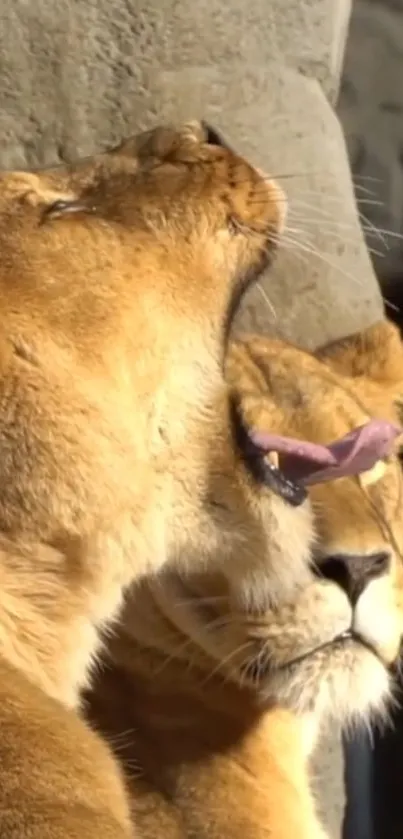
{"x": 371, "y": 110}
{"x": 77, "y": 76}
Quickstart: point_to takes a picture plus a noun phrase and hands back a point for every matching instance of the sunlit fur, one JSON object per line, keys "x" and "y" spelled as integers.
{"x": 118, "y": 277}
{"x": 320, "y": 399}
{"x": 213, "y": 713}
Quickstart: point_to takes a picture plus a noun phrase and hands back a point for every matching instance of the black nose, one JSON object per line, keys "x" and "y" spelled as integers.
{"x": 353, "y": 573}
{"x": 213, "y": 137}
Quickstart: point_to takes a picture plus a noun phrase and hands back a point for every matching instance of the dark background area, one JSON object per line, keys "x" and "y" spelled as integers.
{"x": 371, "y": 110}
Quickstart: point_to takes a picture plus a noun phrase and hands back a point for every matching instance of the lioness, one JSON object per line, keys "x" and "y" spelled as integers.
{"x": 214, "y": 701}
{"x": 118, "y": 279}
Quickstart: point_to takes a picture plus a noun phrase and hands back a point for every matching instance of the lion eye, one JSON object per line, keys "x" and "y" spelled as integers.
{"x": 213, "y": 137}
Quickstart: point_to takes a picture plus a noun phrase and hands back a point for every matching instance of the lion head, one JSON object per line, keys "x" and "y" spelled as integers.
{"x": 333, "y": 647}
{"x": 323, "y": 633}
{"x": 119, "y": 276}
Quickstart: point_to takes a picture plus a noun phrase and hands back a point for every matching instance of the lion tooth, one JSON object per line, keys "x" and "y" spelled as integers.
{"x": 371, "y": 476}
{"x": 273, "y": 458}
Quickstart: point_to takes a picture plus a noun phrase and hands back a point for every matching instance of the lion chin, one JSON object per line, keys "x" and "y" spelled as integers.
{"x": 331, "y": 660}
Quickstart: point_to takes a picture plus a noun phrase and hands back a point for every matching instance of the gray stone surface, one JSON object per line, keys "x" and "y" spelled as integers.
{"x": 322, "y": 283}
{"x": 371, "y": 111}
{"x": 77, "y": 76}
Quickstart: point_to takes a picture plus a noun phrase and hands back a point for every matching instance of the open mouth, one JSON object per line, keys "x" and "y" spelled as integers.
{"x": 288, "y": 465}
{"x": 277, "y": 479}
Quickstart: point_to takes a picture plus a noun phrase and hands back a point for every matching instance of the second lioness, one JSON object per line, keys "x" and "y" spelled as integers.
{"x": 214, "y": 695}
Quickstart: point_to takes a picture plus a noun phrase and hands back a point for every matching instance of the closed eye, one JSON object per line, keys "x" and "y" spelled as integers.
{"x": 62, "y": 208}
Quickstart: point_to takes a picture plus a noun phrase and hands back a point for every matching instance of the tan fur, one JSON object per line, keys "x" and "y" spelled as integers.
{"x": 208, "y": 696}
{"x": 115, "y": 431}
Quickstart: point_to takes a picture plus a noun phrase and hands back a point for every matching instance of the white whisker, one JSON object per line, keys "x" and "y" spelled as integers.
{"x": 224, "y": 661}
{"x": 288, "y": 242}
{"x": 337, "y": 227}
{"x": 267, "y": 300}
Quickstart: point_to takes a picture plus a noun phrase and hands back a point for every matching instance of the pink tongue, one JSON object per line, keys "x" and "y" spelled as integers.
{"x": 310, "y": 463}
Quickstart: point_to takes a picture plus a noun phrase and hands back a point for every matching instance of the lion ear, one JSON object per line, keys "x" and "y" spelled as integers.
{"x": 375, "y": 353}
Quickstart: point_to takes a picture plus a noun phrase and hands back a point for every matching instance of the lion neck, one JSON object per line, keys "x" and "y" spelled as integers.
{"x": 192, "y": 724}
{"x": 57, "y": 598}
{"x": 193, "y": 736}
{"x": 169, "y": 645}
{"x": 166, "y": 621}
